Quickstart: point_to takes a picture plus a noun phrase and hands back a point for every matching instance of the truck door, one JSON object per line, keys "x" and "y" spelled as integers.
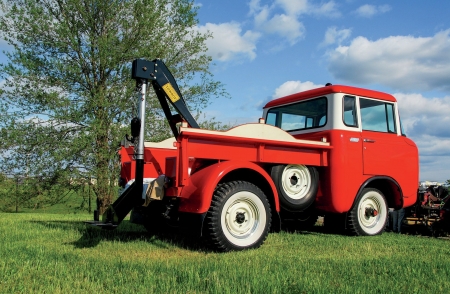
{"x": 382, "y": 145}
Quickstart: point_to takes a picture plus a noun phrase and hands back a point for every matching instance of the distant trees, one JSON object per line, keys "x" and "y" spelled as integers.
{"x": 66, "y": 96}
{"x": 20, "y": 192}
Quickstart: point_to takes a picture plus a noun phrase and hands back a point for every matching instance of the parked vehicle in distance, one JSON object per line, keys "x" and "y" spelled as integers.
{"x": 431, "y": 212}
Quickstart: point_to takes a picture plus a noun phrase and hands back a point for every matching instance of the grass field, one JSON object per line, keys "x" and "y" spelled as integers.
{"x": 56, "y": 253}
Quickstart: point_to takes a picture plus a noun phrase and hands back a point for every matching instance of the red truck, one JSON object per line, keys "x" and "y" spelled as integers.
{"x": 336, "y": 151}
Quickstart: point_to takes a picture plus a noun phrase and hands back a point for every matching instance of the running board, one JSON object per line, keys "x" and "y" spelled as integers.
{"x": 117, "y": 211}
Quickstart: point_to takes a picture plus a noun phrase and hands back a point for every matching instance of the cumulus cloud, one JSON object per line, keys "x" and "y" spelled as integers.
{"x": 434, "y": 168}
{"x": 327, "y": 9}
{"x": 228, "y": 41}
{"x": 405, "y": 63}
{"x": 288, "y": 88}
{"x": 423, "y": 116}
{"x": 371, "y": 10}
{"x": 335, "y": 36}
{"x": 292, "y": 87}
{"x": 283, "y": 25}
{"x": 426, "y": 122}
{"x": 282, "y": 17}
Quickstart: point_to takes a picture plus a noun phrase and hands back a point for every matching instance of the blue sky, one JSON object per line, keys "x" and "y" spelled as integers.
{"x": 266, "y": 49}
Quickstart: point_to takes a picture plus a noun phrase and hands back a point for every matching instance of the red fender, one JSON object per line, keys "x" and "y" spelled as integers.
{"x": 196, "y": 196}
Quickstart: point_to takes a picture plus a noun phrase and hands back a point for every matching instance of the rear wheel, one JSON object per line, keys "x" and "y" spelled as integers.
{"x": 239, "y": 217}
{"x": 369, "y": 214}
{"x": 296, "y": 184}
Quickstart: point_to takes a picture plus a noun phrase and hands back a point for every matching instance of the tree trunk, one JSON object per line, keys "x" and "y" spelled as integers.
{"x": 104, "y": 195}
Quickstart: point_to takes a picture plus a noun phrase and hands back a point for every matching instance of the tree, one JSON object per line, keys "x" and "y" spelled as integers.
{"x": 67, "y": 90}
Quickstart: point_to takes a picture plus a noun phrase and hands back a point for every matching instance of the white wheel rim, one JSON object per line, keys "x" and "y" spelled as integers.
{"x": 296, "y": 181}
{"x": 243, "y": 218}
{"x": 372, "y": 222}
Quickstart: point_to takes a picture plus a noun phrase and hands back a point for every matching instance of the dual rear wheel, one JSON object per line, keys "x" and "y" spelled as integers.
{"x": 240, "y": 217}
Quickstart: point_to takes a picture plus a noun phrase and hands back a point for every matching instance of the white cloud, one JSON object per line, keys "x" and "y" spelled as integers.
{"x": 434, "y": 168}
{"x": 404, "y": 63}
{"x": 285, "y": 26}
{"x": 292, "y": 87}
{"x": 294, "y": 7}
{"x": 426, "y": 122}
{"x": 327, "y": 9}
{"x": 281, "y": 18}
{"x": 371, "y": 10}
{"x": 288, "y": 88}
{"x": 335, "y": 36}
{"x": 425, "y": 117}
{"x": 228, "y": 42}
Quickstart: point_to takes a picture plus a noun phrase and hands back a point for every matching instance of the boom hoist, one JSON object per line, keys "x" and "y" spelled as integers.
{"x": 157, "y": 74}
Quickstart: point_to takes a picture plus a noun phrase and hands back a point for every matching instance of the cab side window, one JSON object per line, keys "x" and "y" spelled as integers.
{"x": 377, "y": 116}
{"x": 350, "y": 116}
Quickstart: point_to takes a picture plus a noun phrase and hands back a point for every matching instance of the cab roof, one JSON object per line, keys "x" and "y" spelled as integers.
{"x": 329, "y": 90}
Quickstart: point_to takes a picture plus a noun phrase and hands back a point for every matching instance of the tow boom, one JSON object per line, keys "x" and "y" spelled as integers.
{"x": 166, "y": 89}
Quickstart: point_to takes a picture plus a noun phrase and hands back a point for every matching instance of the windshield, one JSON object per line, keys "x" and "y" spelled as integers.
{"x": 299, "y": 116}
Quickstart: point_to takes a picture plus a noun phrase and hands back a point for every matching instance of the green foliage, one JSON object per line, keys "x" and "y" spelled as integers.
{"x": 213, "y": 124}
{"x": 67, "y": 96}
{"x": 20, "y": 194}
{"x": 59, "y": 254}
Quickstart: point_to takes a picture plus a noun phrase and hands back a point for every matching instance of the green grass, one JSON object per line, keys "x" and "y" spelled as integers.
{"x": 56, "y": 253}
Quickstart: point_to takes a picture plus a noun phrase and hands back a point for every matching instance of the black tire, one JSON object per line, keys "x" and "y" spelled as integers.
{"x": 296, "y": 185}
{"x": 239, "y": 217}
{"x": 369, "y": 214}
{"x": 299, "y": 221}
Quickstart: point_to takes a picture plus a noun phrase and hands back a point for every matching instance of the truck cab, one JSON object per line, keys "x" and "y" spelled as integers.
{"x": 370, "y": 149}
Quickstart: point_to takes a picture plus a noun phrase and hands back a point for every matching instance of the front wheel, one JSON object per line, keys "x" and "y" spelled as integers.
{"x": 239, "y": 217}
{"x": 369, "y": 214}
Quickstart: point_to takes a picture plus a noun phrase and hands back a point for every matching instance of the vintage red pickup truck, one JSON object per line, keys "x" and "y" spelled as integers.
{"x": 336, "y": 151}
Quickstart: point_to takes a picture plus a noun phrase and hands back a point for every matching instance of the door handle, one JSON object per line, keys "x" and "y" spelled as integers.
{"x": 369, "y": 140}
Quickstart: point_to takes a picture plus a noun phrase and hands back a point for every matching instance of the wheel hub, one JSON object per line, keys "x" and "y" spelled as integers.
{"x": 240, "y": 217}
{"x": 244, "y": 217}
{"x": 296, "y": 181}
{"x": 371, "y": 212}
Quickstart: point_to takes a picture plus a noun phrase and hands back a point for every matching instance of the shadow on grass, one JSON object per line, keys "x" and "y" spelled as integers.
{"x": 165, "y": 238}
{"x": 126, "y": 232}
